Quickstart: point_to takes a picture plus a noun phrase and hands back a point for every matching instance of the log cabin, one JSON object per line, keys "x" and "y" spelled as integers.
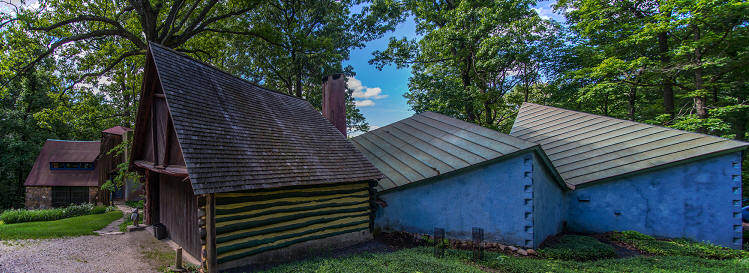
{"x": 240, "y": 174}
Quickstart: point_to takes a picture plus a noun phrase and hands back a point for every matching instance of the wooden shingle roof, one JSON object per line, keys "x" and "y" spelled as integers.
{"x": 235, "y": 135}
{"x": 64, "y": 151}
{"x": 427, "y": 145}
{"x": 586, "y": 148}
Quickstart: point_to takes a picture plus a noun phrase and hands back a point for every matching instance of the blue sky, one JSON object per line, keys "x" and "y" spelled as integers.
{"x": 379, "y": 94}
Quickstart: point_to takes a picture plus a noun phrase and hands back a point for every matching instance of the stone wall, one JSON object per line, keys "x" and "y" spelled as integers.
{"x": 93, "y": 195}
{"x": 38, "y": 197}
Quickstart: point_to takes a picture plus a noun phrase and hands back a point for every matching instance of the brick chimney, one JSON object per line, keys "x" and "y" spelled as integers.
{"x": 334, "y": 101}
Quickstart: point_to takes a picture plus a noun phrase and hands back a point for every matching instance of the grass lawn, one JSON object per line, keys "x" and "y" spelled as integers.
{"x": 74, "y": 226}
{"x": 677, "y": 257}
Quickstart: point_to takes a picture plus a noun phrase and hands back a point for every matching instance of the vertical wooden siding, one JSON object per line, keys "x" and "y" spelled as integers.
{"x": 178, "y": 211}
{"x": 251, "y": 222}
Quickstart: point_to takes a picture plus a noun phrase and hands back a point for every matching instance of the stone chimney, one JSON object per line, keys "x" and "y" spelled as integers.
{"x": 334, "y": 101}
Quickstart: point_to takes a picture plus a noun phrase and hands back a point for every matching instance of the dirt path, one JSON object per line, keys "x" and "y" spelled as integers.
{"x": 130, "y": 252}
{"x": 111, "y": 251}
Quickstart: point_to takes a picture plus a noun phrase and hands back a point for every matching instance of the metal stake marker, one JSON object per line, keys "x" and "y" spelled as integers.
{"x": 478, "y": 243}
{"x": 439, "y": 247}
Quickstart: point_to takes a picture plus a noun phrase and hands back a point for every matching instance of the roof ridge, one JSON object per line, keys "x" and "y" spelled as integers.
{"x": 67, "y": 140}
{"x": 221, "y": 71}
{"x": 636, "y": 122}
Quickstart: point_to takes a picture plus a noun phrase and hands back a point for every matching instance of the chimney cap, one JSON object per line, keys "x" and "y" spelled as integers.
{"x": 335, "y": 76}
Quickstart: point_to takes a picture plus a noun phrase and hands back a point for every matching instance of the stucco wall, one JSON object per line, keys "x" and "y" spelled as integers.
{"x": 491, "y": 197}
{"x": 698, "y": 200}
{"x": 549, "y": 203}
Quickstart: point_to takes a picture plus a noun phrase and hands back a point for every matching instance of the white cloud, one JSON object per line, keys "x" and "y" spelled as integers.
{"x": 544, "y": 13}
{"x": 364, "y": 103}
{"x": 363, "y": 92}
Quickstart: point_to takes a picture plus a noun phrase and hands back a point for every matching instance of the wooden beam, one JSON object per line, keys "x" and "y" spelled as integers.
{"x": 179, "y": 171}
{"x": 154, "y": 135}
{"x": 210, "y": 226}
{"x": 158, "y": 95}
{"x": 168, "y": 138}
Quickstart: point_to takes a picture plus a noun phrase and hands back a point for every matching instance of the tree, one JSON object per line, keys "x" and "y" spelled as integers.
{"x": 99, "y": 35}
{"x": 469, "y": 56}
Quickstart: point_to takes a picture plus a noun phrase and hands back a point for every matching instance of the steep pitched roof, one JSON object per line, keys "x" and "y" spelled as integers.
{"x": 64, "y": 151}
{"x": 430, "y": 144}
{"x": 117, "y": 130}
{"x": 586, "y": 148}
{"x": 235, "y": 135}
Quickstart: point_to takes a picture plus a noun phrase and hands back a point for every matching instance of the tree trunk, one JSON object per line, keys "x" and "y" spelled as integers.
{"x": 700, "y": 102}
{"x": 739, "y": 129}
{"x": 299, "y": 81}
{"x": 667, "y": 84}
{"x": 632, "y": 101}
{"x": 466, "y": 79}
{"x": 126, "y": 101}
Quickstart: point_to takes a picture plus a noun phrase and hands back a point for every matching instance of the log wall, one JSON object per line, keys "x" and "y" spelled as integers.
{"x": 252, "y": 222}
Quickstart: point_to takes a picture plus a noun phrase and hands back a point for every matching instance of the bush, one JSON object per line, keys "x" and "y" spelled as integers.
{"x": 23, "y": 215}
{"x": 99, "y": 210}
{"x": 676, "y": 247}
{"x": 578, "y": 248}
{"x": 135, "y": 204}
{"x": 78, "y": 210}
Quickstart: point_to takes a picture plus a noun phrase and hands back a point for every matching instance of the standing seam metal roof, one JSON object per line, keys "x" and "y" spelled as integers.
{"x": 586, "y": 148}
{"x": 430, "y": 144}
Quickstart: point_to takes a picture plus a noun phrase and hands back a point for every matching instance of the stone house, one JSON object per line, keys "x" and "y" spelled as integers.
{"x": 64, "y": 173}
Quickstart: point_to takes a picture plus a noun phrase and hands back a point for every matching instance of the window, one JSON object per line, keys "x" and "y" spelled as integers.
{"x": 71, "y": 166}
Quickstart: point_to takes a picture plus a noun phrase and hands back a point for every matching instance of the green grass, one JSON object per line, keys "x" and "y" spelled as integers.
{"x": 406, "y": 260}
{"x": 676, "y": 256}
{"x": 75, "y": 226}
{"x": 127, "y": 222}
{"x": 676, "y": 247}
{"x": 579, "y": 248}
{"x": 421, "y": 260}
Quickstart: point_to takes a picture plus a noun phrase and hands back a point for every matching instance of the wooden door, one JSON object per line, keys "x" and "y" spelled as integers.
{"x": 178, "y": 211}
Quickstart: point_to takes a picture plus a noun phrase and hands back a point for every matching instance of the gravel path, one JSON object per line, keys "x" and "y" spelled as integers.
{"x": 107, "y": 253}
{"x": 112, "y": 251}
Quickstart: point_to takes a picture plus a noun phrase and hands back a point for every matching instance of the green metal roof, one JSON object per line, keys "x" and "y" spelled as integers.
{"x": 430, "y": 144}
{"x": 586, "y": 148}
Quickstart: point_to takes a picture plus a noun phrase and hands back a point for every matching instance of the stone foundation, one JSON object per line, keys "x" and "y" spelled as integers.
{"x": 38, "y": 197}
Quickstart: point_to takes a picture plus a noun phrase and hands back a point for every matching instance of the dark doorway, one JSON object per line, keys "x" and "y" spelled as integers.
{"x": 63, "y": 196}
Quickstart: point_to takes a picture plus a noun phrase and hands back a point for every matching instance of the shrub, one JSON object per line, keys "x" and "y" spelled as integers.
{"x": 23, "y": 215}
{"x": 135, "y": 204}
{"x": 78, "y": 210}
{"x": 99, "y": 210}
{"x": 676, "y": 247}
{"x": 578, "y": 248}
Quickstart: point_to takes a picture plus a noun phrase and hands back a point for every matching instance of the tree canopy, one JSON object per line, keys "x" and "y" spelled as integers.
{"x": 69, "y": 69}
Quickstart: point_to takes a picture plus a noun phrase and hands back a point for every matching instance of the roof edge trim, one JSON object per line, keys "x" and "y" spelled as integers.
{"x": 663, "y": 166}
{"x": 476, "y": 166}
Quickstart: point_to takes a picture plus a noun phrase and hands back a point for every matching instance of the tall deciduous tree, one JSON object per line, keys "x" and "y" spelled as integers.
{"x": 470, "y": 55}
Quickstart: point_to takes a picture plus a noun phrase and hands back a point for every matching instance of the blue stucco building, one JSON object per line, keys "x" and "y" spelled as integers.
{"x": 447, "y": 173}
{"x": 558, "y": 170}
